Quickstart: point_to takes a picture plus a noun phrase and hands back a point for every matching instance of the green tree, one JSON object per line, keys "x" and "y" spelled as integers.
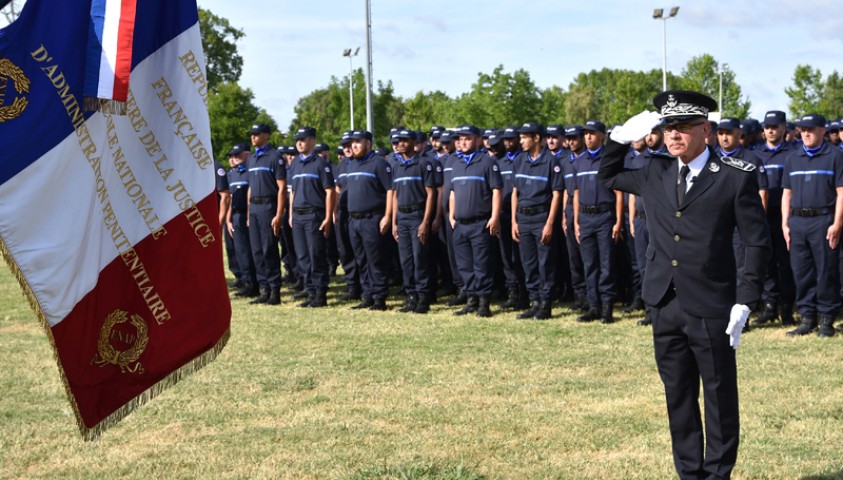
{"x": 500, "y": 99}
{"x": 219, "y": 40}
{"x": 831, "y": 103}
{"x": 611, "y": 96}
{"x": 806, "y": 92}
{"x": 427, "y": 109}
{"x": 701, "y": 75}
{"x": 232, "y": 113}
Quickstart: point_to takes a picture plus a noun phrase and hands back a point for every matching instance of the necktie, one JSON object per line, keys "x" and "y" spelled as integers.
{"x": 683, "y": 183}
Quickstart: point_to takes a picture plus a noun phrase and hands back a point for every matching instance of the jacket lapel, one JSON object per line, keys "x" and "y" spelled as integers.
{"x": 670, "y": 177}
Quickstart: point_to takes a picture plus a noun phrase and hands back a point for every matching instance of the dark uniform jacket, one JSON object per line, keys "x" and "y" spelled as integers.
{"x": 691, "y": 244}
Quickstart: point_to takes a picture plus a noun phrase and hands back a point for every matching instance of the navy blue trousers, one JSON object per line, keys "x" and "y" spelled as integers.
{"x": 243, "y": 248}
{"x": 372, "y": 250}
{"x": 473, "y": 250}
{"x": 452, "y": 257}
{"x": 815, "y": 265}
{"x": 513, "y": 272}
{"x": 641, "y": 241}
{"x": 231, "y": 253}
{"x": 779, "y": 287}
{"x": 415, "y": 257}
{"x": 346, "y": 253}
{"x": 311, "y": 251}
{"x": 264, "y": 245}
{"x": 574, "y": 255}
{"x": 538, "y": 261}
{"x": 598, "y": 256}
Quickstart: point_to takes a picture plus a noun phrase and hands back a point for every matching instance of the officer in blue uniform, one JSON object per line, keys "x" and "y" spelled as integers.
{"x": 812, "y": 215}
{"x": 536, "y": 196}
{"x": 576, "y": 145}
{"x": 332, "y": 250}
{"x": 447, "y": 140}
{"x": 237, "y": 218}
{"x": 311, "y": 215}
{"x": 415, "y": 182}
{"x": 690, "y": 282}
{"x": 474, "y": 209}
{"x": 369, "y": 185}
{"x": 224, "y": 206}
{"x": 444, "y": 274}
{"x": 294, "y": 278}
{"x": 598, "y": 213}
{"x": 557, "y": 144}
{"x": 351, "y": 271}
{"x": 779, "y": 288}
{"x": 267, "y": 198}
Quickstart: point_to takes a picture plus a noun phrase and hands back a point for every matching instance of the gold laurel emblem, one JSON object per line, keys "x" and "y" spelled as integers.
{"x": 127, "y": 360}
{"x": 10, "y": 71}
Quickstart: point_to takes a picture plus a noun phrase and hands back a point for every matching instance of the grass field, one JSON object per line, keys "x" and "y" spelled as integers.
{"x": 336, "y": 394}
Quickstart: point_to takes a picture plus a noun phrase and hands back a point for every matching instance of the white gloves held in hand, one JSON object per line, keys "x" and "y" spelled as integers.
{"x": 636, "y": 127}
{"x": 737, "y": 320}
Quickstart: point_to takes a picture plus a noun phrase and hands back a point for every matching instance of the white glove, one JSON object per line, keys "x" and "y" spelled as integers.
{"x": 737, "y": 320}
{"x": 636, "y": 127}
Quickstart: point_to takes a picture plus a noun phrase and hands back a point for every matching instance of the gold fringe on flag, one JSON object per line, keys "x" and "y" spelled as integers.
{"x": 113, "y": 107}
{"x": 90, "y": 434}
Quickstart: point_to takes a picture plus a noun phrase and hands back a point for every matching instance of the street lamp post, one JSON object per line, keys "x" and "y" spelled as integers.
{"x": 347, "y": 53}
{"x": 720, "y": 71}
{"x": 370, "y": 115}
{"x": 658, "y": 14}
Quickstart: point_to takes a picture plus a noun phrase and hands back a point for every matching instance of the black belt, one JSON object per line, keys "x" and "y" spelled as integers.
{"x": 810, "y": 212}
{"x": 419, "y": 207}
{"x": 640, "y": 215}
{"x": 260, "y": 200}
{"x": 595, "y": 209}
{"x": 361, "y": 215}
{"x": 305, "y": 211}
{"x": 470, "y": 220}
{"x": 533, "y": 210}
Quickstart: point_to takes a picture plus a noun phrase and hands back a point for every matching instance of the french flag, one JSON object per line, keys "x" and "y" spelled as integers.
{"x": 109, "y": 221}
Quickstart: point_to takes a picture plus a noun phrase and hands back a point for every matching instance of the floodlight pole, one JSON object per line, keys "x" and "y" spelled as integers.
{"x": 658, "y": 14}
{"x": 347, "y": 53}
{"x": 723, "y": 69}
{"x": 370, "y": 116}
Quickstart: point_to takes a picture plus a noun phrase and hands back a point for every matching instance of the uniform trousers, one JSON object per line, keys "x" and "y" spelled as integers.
{"x": 452, "y": 257}
{"x": 815, "y": 265}
{"x": 415, "y": 257}
{"x": 242, "y": 247}
{"x": 687, "y": 349}
{"x": 539, "y": 261}
{"x": 350, "y": 268}
{"x": 288, "y": 249}
{"x": 641, "y": 241}
{"x": 627, "y": 264}
{"x": 372, "y": 250}
{"x": 598, "y": 256}
{"x": 473, "y": 250}
{"x": 264, "y": 245}
{"x": 574, "y": 255}
{"x": 231, "y": 253}
{"x": 779, "y": 287}
{"x": 311, "y": 251}
{"x": 513, "y": 271}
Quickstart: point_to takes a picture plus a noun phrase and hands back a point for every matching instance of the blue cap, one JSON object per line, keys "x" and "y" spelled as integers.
{"x": 321, "y": 147}
{"x": 339, "y": 151}
{"x": 346, "y": 138}
{"x": 811, "y": 120}
{"x": 573, "y": 131}
{"x": 791, "y": 126}
{"x": 531, "y": 128}
{"x": 495, "y": 138}
{"x": 488, "y": 132}
{"x": 259, "y": 128}
{"x": 833, "y": 125}
{"x": 447, "y": 136}
{"x": 468, "y": 130}
{"x": 237, "y": 149}
{"x": 729, "y": 123}
{"x": 305, "y": 132}
{"x": 361, "y": 135}
{"x": 510, "y": 132}
{"x": 396, "y": 128}
{"x": 406, "y": 134}
{"x": 288, "y": 150}
{"x": 775, "y": 117}
{"x": 554, "y": 131}
{"x": 594, "y": 126}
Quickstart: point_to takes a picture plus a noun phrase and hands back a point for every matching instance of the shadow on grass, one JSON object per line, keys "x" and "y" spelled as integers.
{"x": 418, "y": 472}
{"x": 825, "y": 476}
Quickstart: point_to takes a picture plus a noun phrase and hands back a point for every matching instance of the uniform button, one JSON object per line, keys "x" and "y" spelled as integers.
{"x": 676, "y": 237}
{"x": 678, "y": 214}
{"x": 674, "y": 263}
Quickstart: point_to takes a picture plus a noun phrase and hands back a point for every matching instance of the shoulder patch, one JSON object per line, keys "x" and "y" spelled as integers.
{"x": 328, "y": 169}
{"x": 495, "y": 167}
{"x": 281, "y": 161}
{"x": 429, "y": 167}
{"x": 439, "y": 168}
{"x": 738, "y": 163}
{"x": 557, "y": 169}
{"x": 388, "y": 169}
{"x": 221, "y": 172}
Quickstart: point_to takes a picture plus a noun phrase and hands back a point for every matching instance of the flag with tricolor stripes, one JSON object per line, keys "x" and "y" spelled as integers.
{"x": 109, "y": 221}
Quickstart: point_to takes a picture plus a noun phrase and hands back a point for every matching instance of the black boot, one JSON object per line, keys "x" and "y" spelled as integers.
{"x": 306, "y": 302}
{"x": 770, "y": 313}
{"x": 544, "y": 310}
{"x": 483, "y": 307}
{"x": 511, "y": 299}
{"x": 607, "y": 314}
{"x": 647, "y": 320}
{"x": 635, "y": 306}
{"x": 826, "y": 325}
{"x": 523, "y": 299}
{"x": 378, "y": 305}
{"x": 471, "y": 304}
{"x": 787, "y": 315}
{"x": 262, "y": 298}
{"x": 320, "y": 300}
{"x": 410, "y": 303}
{"x": 365, "y": 303}
{"x": 591, "y": 315}
{"x": 460, "y": 299}
{"x": 423, "y": 304}
{"x": 350, "y": 295}
{"x": 580, "y": 304}
{"x": 530, "y": 312}
{"x": 808, "y": 325}
{"x": 249, "y": 290}
{"x": 274, "y": 297}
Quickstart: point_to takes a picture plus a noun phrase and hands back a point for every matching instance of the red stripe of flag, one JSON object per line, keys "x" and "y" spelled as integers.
{"x": 125, "y": 37}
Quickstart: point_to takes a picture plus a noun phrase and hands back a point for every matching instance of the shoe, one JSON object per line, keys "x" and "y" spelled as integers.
{"x": 248, "y": 290}
{"x": 635, "y": 306}
{"x": 460, "y": 299}
{"x": 646, "y": 321}
{"x": 299, "y": 285}
{"x": 826, "y": 328}
{"x": 274, "y": 297}
{"x": 544, "y": 310}
{"x": 787, "y": 315}
{"x": 770, "y": 313}
{"x": 319, "y": 301}
{"x": 365, "y": 303}
{"x": 483, "y": 307}
{"x": 262, "y": 298}
{"x": 350, "y": 295}
{"x": 237, "y": 284}
{"x": 447, "y": 290}
{"x": 808, "y": 325}
{"x": 410, "y": 303}
{"x": 300, "y": 295}
{"x": 306, "y": 303}
{"x": 607, "y": 317}
{"x": 530, "y": 312}
{"x": 580, "y": 305}
{"x": 511, "y": 299}
{"x": 423, "y": 305}
{"x": 378, "y": 305}
{"x": 591, "y": 315}
{"x": 471, "y": 305}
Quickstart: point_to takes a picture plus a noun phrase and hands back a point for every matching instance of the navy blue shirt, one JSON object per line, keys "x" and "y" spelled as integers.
{"x": 641, "y": 161}
{"x": 813, "y": 180}
{"x": 266, "y": 167}
{"x": 536, "y": 180}
{"x": 411, "y": 177}
{"x": 448, "y": 161}
{"x": 221, "y": 177}
{"x": 570, "y": 175}
{"x": 367, "y": 182}
{"x": 309, "y": 177}
{"x": 507, "y": 164}
{"x": 238, "y": 182}
{"x": 341, "y": 180}
{"x": 472, "y": 181}
{"x": 592, "y": 191}
{"x": 773, "y": 162}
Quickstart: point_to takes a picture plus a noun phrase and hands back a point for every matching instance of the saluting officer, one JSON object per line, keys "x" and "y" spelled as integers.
{"x": 779, "y": 289}
{"x": 415, "y": 181}
{"x": 369, "y": 185}
{"x": 576, "y": 145}
{"x": 352, "y": 271}
{"x": 475, "y": 205}
{"x": 311, "y": 215}
{"x": 690, "y": 279}
{"x": 598, "y": 213}
{"x": 267, "y": 198}
{"x": 237, "y": 218}
{"x": 812, "y": 215}
{"x": 536, "y": 195}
